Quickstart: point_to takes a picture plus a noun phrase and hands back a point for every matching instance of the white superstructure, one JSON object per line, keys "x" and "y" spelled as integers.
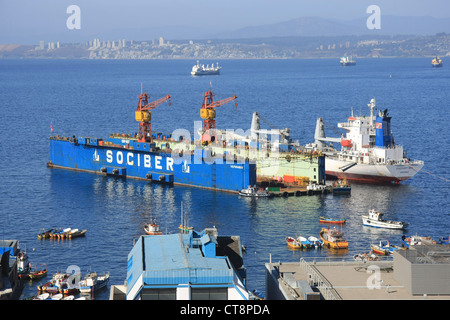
{"x": 368, "y": 152}
{"x": 201, "y": 70}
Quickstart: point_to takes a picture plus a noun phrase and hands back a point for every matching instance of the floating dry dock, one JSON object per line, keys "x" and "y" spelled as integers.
{"x": 141, "y": 160}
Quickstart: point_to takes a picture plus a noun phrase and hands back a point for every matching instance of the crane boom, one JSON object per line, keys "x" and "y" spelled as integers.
{"x": 208, "y": 113}
{"x": 144, "y": 116}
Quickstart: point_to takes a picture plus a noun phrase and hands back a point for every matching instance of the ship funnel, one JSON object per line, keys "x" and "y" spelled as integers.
{"x": 255, "y": 126}
{"x": 319, "y": 134}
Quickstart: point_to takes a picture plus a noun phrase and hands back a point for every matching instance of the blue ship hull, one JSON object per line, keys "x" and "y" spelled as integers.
{"x": 136, "y": 160}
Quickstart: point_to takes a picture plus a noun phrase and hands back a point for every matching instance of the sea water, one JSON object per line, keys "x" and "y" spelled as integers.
{"x": 96, "y": 98}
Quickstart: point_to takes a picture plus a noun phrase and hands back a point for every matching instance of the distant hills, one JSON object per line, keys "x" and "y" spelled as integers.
{"x": 316, "y": 26}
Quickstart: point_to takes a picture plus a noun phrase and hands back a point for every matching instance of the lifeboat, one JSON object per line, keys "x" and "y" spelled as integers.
{"x": 346, "y": 143}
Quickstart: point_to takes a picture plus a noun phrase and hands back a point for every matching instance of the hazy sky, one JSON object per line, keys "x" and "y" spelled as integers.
{"x": 28, "y": 21}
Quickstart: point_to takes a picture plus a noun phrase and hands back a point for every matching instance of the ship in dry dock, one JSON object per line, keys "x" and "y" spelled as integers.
{"x": 368, "y": 152}
{"x": 216, "y": 160}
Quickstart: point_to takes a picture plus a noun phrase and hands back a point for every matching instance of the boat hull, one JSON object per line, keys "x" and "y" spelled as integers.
{"x": 292, "y": 243}
{"x": 382, "y": 224}
{"x": 136, "y": 160}
{"x": 341, "y": 244}
{"x": 371, "y": 173}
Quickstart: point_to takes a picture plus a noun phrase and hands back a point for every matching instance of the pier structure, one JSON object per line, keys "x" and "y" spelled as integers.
{"x": 413, "y": 274}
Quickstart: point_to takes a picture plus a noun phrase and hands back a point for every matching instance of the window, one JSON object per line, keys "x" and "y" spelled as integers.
{"x": 159, "y": 294}
{"x": 209, "y": 293}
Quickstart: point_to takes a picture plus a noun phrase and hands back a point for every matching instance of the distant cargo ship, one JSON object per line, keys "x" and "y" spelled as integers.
{"x": 346, "y": 61}
{"x": 368, "y": 152}
{"x": 201, "y": 70}
{"x": 436, "y": 62}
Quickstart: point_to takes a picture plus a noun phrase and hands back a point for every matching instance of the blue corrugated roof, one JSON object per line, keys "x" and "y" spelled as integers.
{"x": 167, "y": 259}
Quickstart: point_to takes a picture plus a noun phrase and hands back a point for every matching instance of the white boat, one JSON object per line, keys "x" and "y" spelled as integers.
{"x": 367, "y": 153}
{"x": 93, "y": 282}
{"x": 255, "y": 192}
{"x": 306, "y": 244}
{"x": 57, "y": 296}
{"x": 43, "y": 296}
{"x": 152, "y": 228}
{"x": 317, "y": 243}
{"x": 201, "y": 70}
{"x": 316, "y": 187}
{"x": 374, "y": 219}
{"x": 347, "y": 61}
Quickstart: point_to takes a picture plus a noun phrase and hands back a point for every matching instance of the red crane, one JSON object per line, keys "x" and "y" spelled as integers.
{"x": 144, "y": 116}
{"x": 208, "y": 113}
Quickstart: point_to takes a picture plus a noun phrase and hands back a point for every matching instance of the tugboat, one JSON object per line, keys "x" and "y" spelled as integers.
{"x": 341, "y": 186}
{"x": 346, "y": 61}
{"x": 255, "y": 192}
{"x": 368, "y": 152}
{"x": 374, "y": 219}
{"x": 201, "y": 70}
{"x": 436, "y": 62}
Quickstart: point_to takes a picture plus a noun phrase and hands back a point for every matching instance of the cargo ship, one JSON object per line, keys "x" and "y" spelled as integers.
{"x": 138, "y": 156}
{"x": 368, "y": 152}
{"x": 201, "y": 70}
{"x": 346, "y": 61}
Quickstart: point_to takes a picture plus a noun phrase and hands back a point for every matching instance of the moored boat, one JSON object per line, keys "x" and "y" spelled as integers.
{"x": 152, "y": 228}
{"x": 76, "y": 233}
{"x": 341, "y": 186}
{"x": 374, "y": 219}
{"x": 332, "y": 220}
{"x": 305, "y": 243}
{"x": 93, "y": 282}
{"x": 255, "y": 192}
{"x": 367, "y": 153}
{"x": 384, "y": 248}
{"x": 416, "y": 240}
{"x": 333, "y": 238}
{"x": 293, "y": 243}
{"x": 46, "y": 234}
{"x": 317, "y": 243}
{"x": 42, "y": 296}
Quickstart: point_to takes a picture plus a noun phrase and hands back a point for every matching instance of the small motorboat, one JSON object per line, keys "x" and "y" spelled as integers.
{"x": 305, "y": 243}
{"x": 42, "y": 296}
{"x": 75, "y": 233}
{"x": 255, "y": 192}
{"x": 46, "y": 234}
{"x": 293, "y": 243}
{"x": 375, "y": 219}
{"x": 332, "y": 220}
{"x": 38, "y": 274}
{"x": 317, "y": 243}
{"x": 416, "y": 241}
{"x": 333, "y": 238}
{"x": 57, "y": 296}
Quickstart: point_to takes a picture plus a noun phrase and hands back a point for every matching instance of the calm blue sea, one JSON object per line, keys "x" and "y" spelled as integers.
{"x": 96, "y": 98}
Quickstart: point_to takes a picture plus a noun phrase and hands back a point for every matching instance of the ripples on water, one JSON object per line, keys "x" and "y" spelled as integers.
{"x": 99, "y": 97}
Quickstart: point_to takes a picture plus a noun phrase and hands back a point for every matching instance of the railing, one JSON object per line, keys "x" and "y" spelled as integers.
{"x": 324, "y": 286}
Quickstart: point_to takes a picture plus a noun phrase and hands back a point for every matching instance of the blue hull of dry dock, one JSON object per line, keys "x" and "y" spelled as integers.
{"x": 135, "y": 160}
